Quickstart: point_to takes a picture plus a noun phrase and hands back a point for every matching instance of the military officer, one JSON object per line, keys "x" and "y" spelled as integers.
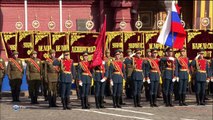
{"x": 146, "y": 62}
{"x": 2, "y": 71}
{"x": 15, "y": 73}
{"x": 100, "y": 75}
{"x": 67, "y": 75}
{"x": 202, "y": 74}
{"x": 34, "y": 76}
{"x": 117, "y": 74}
{"x": 169, "y": 76}
{"x": 51, "y": 77}
{"x": 153, "y": 76}
{"x": 182, "y": 70}
{"x": 85, "y": 80}
{"x": 129, "y": 68}
{"x": 108, "y": 59}
{"x": 138, "y": 77}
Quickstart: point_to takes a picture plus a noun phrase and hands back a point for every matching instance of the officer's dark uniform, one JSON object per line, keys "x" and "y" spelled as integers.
{"x": 201, "y": 74}
{"x": 168, "y": 75}
{"x": 15, "y": 72}
{"x": 129, "y": 69}
{"x": 137, "y": 77}
{"x": 2, "y": 72}
{"x": 85, "y": 76}
{"x": 51, "y": 77}
{"x": 99, "y": 73}
{"x": 117, "y": 74}
{"x": 67, "y": 74}
{"x": 211, "y": 74}
{"x": 182, "y": 70}
{"x": 146, "y": 84}
{"x": 153, "y": 73}
{"x": 34, "y": 76}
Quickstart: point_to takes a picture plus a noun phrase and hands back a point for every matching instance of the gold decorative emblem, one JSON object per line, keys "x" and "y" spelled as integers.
{"x": 183, "y": 23}
{"x": 138, "y": 23}
{"x": 122, "y": 24}
{"x": 51, "y": 24}
{"x": 89, "y": 24}
{"x": 68, "y": 23}
{"x": 160, "y": 23}
{"x": 205, "y": 21}
{"x": 19, "y": 25}
{"x": 35, "y": 24}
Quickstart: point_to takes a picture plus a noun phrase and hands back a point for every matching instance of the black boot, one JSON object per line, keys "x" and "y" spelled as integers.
{"x": 83, "y": 103}
{"x": 154, "y": 100}
{"x": 202, "y": 99}
{"x": 121, "y": 101}
{"x": 13, "y": 96}
{"x": 151, "y": 101}
{"x": 50, "y": 100}
{"x": 139, "y": 101}
{"x": 97, "y": 102}
{"x": 167, "y": 100}
{"x": 114, "y": 101}
{"x": 180, "y": 100}
{"x": 183, "y": 100}
{"x": 170, "y": 101}
{"x": 63, "y": 103}
{"x": 198, "y": 99}
{"x": 118, "y": 98}
{"x": 87, "y": 103}
{"x": 135, "y": 101}
{"x": 102, "y": 102}
{"x": 36, "y": 99}
{"x": 67, "y": 103}
{"x": 54, "y": 100}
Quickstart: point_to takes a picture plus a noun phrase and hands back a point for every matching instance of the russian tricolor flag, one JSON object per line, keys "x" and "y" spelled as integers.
{"x": 172, "y": 34}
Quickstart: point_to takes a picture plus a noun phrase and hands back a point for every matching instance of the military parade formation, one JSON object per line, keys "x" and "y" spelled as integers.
{"x": 164, "y": 77}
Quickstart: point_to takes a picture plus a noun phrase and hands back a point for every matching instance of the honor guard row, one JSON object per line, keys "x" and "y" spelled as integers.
{"x": 131, "y": 73}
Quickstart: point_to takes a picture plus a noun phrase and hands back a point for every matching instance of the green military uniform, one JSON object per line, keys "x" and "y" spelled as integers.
{"x": 44, "y": 85}
{"x": 2, "y": 72}
{"x": 51, "y": 73}
{"x": 15, "y": 73}
{"x": 34, "y": 76}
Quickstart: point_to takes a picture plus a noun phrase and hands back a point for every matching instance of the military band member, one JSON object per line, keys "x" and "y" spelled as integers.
{"x": 182, "y": 70}
{"x": 2, "y": 72}
{"x": 100, "y": 75}
{"x": 117, "y": 74}
{"x": 51, "y": 77}
{"x": 169, "y": 76}
{"x": 85, "y": 80}
{"x": 34, "y": 76}
{"x": 129, "y": 69}
{"x": 67, "y": 75}
{"x": 138, "y": 77}
{"x": 153, "y": 76}
{"x": 202, "y": 74}
{"x": 15, "y": 73}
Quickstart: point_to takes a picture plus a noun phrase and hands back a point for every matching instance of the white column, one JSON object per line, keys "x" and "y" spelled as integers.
{"x": 60, "y": 15}
{"x": 25, "y": 15}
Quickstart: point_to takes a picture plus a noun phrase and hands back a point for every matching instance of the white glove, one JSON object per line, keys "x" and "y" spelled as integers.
{"x": 80, "y": 83}
{"x": 103, "y": 62}
{"x": 111, "y": 83}
{"x": 207, "y": 80}
{"x": 197, "y": 56}
{"x": 174, "y": 79}
{"x": 148, "y": 81}
{"x": 143, "y": 79}
{"x": 177, "y": 79}
{"x": 132, "y": 54}
{"x": 103, "y": 80}
{"x": 212, "y": 79}
{"x": 172, "y": 58}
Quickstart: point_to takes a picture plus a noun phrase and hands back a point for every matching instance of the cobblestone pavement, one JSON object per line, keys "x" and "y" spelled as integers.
{"x": 127, "y": 112}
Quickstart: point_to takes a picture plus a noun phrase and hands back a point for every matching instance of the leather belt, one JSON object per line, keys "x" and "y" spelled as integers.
{"x": 85, "y": 74}
{"x": 116, "y": 73}
{"x": 138, "y": 70}
{"x": 67, "y": 72}
{"x": 202, "y": 71}
{"x": 99, "y": 71}
{"x": 154, "y": 71}
{"x": 183, "y": 70}
{"x": 169, "y": 69}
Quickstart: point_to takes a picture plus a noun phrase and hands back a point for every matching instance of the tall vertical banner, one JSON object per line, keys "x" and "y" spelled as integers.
{"x": 9, "y": 41}
{"x": 114, "y": 41}
{"x": 42, "y": 44}
{"x": 133, "y": 40}
{"x": 80, "y": 42}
